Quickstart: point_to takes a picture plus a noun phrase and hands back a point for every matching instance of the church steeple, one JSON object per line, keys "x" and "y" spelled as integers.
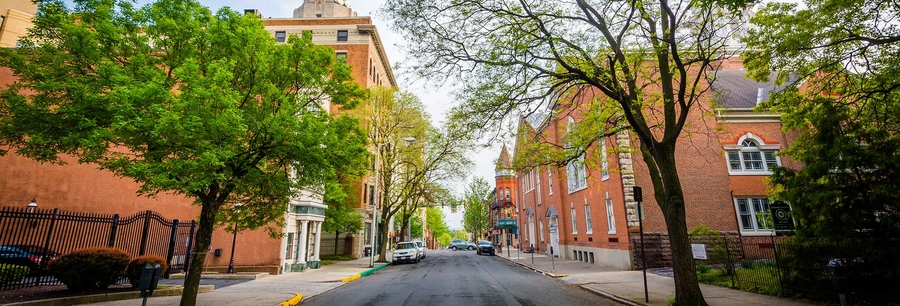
{"x": 504, "y": 164}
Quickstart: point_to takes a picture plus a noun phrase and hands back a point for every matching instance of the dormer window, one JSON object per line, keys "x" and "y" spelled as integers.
{"x": 752, "y": 156}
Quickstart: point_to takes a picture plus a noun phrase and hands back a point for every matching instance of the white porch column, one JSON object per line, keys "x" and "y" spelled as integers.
{"x": 302, "y": 242}
{"x": 318, "y": 241}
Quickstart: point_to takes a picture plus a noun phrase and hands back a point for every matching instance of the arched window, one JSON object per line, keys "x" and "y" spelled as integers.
{"x": 507, "y": 193}
{"x": 752, "y": 155}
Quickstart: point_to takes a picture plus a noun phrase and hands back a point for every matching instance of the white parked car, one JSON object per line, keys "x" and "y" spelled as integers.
{"x": 406, "y": 251}
{"x": 421, "y": 246}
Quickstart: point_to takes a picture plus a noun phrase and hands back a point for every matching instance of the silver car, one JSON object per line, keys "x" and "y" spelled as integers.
{"x": 421, "y": 249}
{"x": 405, "y": 252}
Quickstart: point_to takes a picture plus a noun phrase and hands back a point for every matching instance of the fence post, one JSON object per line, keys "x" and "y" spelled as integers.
{"x": 777, "y": 267}
{"x": 47, "y": 241}
{"x": 730, "y": 262}
{"x": 113, "y": 229}
{"x": 171, "y": 251}
{"x": 190, "y": 247}
{"x": 145, "y": 233}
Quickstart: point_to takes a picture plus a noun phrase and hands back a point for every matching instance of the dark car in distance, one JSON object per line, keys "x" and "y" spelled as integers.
{"x": 485, "y": 247}
{"x": 25, "y": 255}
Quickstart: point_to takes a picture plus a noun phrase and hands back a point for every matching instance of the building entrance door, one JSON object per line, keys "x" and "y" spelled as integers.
{"x": 554, "y": 236}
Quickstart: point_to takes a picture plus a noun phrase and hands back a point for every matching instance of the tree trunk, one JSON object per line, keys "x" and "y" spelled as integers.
{"x": 204, "y": 238}
{"x": 382, "y": 233}
{"x": 336, "y": 236}
{"x": 669, "y": 195}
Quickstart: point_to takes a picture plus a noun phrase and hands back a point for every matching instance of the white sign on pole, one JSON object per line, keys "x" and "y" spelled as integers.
{"x": 699, "y": 251}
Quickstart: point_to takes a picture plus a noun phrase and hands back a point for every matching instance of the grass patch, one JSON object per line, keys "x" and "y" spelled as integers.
{"x": 758, "y": 278}
{"x": 337, "y": 257}
{"x": 326, "y": 262}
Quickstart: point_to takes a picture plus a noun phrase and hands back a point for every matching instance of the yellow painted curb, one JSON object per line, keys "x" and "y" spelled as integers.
{"x": 293, "y": 301}
{"x": 351, "y": 278}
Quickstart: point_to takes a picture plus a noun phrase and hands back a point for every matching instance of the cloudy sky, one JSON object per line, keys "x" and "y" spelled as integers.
{"x": 437, "y": 101}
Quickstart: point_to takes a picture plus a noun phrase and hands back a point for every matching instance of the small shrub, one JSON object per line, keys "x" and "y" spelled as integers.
{"x": 702, "y": 269}
{"x": 326, "y": 262}
{"x": 91, "y": 268}
{"x": 136, "y": 266}
{"x": 338, "y": 257}
{"x": 748, "y": 264}
{"x": 12, "y": 273}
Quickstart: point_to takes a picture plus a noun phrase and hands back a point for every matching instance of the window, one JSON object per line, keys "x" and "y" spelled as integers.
{"x": 342, "y": 56}
{"x": 368, "y": 232}
{"x": 574, "y": 221}
{"x": 280, "y": 36}
{"x": 365, "y": 194}
{"x": 549, "y": 181}
{"x": 604, "y": 160}
{"x": 537, "y": 178}
{"x": 288, "y": 252}
{"x": 751, "y": 157}
{"x": 610, "y": 217}
{"x": 372, "y": 195}
{"x": 576, "y": 174}
{"x": 342, "y": 35}
{"x": 589, "y": 226}
{"x": 754, "y": 214}
{"x": 507, "y": 193}
{"x": 541, "y": 225}
{"x": 318, "y": 15}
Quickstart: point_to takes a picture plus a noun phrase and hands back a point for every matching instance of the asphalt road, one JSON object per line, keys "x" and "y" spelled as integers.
{"x": 456, "y": 278}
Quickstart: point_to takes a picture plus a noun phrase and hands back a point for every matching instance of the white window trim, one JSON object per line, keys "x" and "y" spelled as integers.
{"x": 756, "y": 231}
{"x": 537, "y": 178}
{"x": 762, "y": 148}
{"x": 549, "y": 180}
{"x": 572, "y": 169}
{"x": 604, "y": 161}
{"x": 574, "y": 220}
{"x": 541, "y": 223}
{"x": 588, "y": 222}
{"x": 610, "y": 216}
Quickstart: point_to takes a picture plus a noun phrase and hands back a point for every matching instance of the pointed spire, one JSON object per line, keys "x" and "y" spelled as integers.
{"x": 503, "y": 162}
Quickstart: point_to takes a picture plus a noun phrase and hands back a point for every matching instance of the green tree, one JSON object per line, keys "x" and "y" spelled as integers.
{"x": 650, "y": 60}
{"x": 434, "y": 219}
{"x": 183, "y": 101}
{"x": 445, "y": 238}
{"x": 411, "y": 174}
{"x": 460, "y": 235}
{"x": 844, "y": 113}
{"x": 478, "y": 197}
{"x": 340, "y": 217}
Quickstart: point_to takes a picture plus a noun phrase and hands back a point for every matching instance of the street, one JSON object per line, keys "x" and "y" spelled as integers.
{"x": 457, "y": 278}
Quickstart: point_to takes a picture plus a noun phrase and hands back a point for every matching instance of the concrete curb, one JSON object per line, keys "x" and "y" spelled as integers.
{"x": 242, "y": 275}
{"x": 373, "y": 270}
{"x": 603, "y": 294}
{"x": 293, "y": 301}
{"x": 611, "y": 297}
{"x": 351, "y": 278}
{"x": 549, "y": 274}
{"x": 107, "y": 297}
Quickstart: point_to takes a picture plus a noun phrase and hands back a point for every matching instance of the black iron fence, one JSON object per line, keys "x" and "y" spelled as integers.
{"x": 33, "y": 238}
{"x": 868, "y": 272}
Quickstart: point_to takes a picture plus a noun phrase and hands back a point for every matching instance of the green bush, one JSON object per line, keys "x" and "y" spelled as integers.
{"x": 136, "y": 266}
{"x": 715, "y": 242}
{"x": 12, "y": 273}
{"x": 91, "y": 268}
{"x": 338, "y": 257}
{"x": 702, "y": 269}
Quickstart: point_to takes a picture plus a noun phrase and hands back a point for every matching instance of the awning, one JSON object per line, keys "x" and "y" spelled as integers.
{"x": 551, "y": 212}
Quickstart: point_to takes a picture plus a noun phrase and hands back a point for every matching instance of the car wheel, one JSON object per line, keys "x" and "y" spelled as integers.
{"x": 471, "y": 248}
{"x": 453, "y": 248}
{"x": 417, "y": 260}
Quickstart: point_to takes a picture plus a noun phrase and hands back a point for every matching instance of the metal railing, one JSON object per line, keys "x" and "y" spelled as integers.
{"x": 36, "y": 237}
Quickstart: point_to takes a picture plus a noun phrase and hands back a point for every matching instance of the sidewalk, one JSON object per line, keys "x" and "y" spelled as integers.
{"x": 274, "y": 289}
{"x": 627, "y": 287}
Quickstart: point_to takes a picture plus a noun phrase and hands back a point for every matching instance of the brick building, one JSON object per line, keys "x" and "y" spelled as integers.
{"x": 503, "y": 217}
{"x": 76, "y": 187}
{"x": 586, "y": 210}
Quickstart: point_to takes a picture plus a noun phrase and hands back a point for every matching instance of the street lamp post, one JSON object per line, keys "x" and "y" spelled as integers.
{"x": 234, "y": 240}
{"x": 30, "y": 208}
{"x": 377, "y": 196}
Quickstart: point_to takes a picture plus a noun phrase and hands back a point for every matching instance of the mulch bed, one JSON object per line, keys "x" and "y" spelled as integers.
{"x": 54, "y": 291}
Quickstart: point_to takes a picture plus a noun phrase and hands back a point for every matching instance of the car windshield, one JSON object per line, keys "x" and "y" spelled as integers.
{"x": 419, "y": 243}
{"x": 484, "y": 243}
{"x": 404, "y": 246}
